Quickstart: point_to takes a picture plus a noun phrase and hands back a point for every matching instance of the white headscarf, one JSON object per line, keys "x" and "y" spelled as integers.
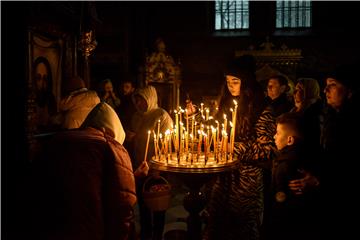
{"x": 150, "y": 96}
{"x": 103, "y": 116}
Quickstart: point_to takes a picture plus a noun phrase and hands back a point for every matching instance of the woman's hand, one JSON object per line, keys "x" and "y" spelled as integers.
{"x": 142, "y": 170}
{"x": 308, "y": 182}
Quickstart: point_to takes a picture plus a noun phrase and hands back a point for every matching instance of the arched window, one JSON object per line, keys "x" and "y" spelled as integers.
{"x": 231, "y": 14}
{"x": 293, "y": 14}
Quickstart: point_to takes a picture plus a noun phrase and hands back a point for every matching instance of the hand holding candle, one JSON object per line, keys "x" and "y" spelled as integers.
{"x": 147, "y": 145}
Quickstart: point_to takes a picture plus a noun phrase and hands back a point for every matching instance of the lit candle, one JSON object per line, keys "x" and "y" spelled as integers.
{"x": 193, "y": 124}
{"x": 234, "y": 126}
{"x": 207, "y": 114}
{"x": 147, "y": 146}
{"x": 217, "y": 131}
{"x": 199, "y": 143}
{"x": 181, "y": 136}
{"x": 187, "y": 120}
{"x": 202, "y": 110}
{"x": 170, "y": 147}
{"x": 226, "y": 145}
{"x": 167, "y": 138}
{"x": 177, "y": 131}
{"x": 160, "y": 148}
{"x": 158, "y": 130}
{"x": 231, "y": 135}
{"x": 205, "y": 146}
{"x": 225, "y": 123}
{"x": 156, "y": 146}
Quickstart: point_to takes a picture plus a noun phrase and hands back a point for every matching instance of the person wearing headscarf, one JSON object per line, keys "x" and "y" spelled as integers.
{"x": 308, "y": 105}
{"x": 147, "y": 118}
{"x": 77, "y": 104}
{"x": 337, "y": 179}
{"x": 307, "y": 93}
{"x": 85, "y": 182}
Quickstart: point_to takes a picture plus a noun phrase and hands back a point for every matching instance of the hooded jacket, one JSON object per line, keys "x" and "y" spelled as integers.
{"x": 86, "y": 186}
{"x": 142, "y": 122}
{"x": 77, "y": 106}
{"x": 104, "y": 117}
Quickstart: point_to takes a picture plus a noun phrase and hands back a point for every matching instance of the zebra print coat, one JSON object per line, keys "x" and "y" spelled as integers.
{"x": 236, "y": 198}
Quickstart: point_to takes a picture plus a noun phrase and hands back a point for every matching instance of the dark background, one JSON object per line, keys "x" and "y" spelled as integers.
{"x": 126, "y": 32}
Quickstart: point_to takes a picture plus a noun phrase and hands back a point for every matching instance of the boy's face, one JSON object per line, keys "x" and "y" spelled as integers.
{"x": 282, "y": 137}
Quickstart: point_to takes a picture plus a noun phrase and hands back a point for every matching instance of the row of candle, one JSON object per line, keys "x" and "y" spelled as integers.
{"x": 187, "y": 140}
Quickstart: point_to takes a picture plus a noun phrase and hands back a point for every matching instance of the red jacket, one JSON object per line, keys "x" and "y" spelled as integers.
{"x": 87, "y": 187}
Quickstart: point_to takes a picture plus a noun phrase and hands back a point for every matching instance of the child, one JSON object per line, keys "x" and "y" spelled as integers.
{"x": 289, "y": 214}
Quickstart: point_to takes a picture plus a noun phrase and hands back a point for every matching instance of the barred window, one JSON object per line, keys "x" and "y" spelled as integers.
{"x": 293, "y": 14}
{"x": 231, "y": 14}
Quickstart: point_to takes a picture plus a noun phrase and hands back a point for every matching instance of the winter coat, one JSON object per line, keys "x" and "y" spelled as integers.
{"x": 85, "y": 183}
{"x": 148, "y": 121}
{"x": 77, "y": 106}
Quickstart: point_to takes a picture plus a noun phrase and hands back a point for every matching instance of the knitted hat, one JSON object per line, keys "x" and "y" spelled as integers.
{"x": 345, "y": 74}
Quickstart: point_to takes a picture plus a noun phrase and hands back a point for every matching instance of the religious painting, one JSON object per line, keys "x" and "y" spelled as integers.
{"x": 45, "y": 74}
{"x": 51, "y": 58}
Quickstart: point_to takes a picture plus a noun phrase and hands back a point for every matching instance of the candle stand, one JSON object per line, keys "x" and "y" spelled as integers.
{"x": 194, "y": 178}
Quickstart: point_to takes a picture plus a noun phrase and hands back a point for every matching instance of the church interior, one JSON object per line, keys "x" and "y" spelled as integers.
{"x": 173, "y": 46}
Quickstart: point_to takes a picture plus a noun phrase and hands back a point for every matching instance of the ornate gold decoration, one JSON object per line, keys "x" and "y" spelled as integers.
{"x": 161, "y": 67}
{"x": 269, "y": 54}
{"x": 87, "y": 43}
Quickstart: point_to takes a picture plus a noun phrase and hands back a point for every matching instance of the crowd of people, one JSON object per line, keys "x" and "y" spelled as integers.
{"x": 294, "y": 174}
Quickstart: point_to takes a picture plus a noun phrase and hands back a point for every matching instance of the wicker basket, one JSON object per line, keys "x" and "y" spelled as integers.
{"x": 157, "y": 193}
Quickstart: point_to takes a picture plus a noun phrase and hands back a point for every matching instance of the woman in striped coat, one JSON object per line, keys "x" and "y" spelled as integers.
{"x": 236, "y": 198}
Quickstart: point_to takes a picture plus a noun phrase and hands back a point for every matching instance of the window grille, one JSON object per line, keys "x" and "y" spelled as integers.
{"x": 231, "y": 15}
{"x": 293, "y": 14}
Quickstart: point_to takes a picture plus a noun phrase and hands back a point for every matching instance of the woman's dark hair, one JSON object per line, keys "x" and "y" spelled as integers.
{"x": 251, "y": 99}
{"x": 48, "y": 69}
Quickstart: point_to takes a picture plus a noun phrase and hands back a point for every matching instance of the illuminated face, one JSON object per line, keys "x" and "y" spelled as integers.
{"x": 41, "y": 76}
{"x": 274, "y": 89}
{"x": 128, "y": 88}
{"x": 234, "y": 85}
{"x": 335, "y": 92}
{"x": 281, "y": 137}
{"x": 140, "y": 103}
{"x": 108, "y": 87}
{"x": 299, "y": 94}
